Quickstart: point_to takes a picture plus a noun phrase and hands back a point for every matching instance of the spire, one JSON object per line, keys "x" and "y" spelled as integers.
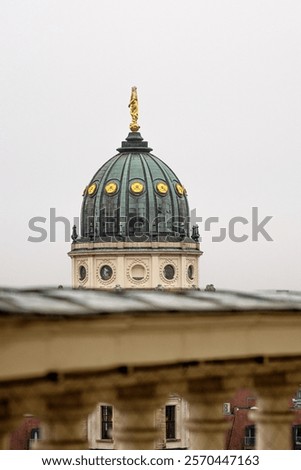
{"x": 133, "y": 105}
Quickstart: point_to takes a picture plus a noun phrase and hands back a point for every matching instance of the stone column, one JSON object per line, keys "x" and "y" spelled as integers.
{"x": 206, "y": 423}
{"x": 136, "y": 428}
{"x": 273, "y": 418}
{"x": 64, "y": 421}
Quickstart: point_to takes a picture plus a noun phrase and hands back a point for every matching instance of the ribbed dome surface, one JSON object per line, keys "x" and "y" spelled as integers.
{"x": 135, "y": 195}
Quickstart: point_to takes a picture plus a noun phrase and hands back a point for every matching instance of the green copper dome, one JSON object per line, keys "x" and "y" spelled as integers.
{"x": 135, "y": 196}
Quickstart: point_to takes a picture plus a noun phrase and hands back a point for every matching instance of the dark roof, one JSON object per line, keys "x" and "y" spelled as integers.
{"x": 78, "y": 302}
{"x": 134, "y": 193}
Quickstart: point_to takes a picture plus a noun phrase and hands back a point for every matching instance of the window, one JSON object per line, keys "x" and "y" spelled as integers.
{"x": 169, "y": 272}
{"x": 297, "y": 436}
{"x": 250, "y": 436}
{"x": 106, "y": 422}
{"x": 82, "y": 273}
{"x": 106, "y": 272}
{"x": 190, "y": 272}
{"x": 34, "y": 436}
{"x": 297, "y": 399}
{"x": 170, "y": 416}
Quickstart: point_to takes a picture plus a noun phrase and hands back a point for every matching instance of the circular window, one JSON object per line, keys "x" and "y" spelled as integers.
{"x": 190, "y": 272}
{"x": 137, "y": 187}
{"x": 162, "y": 187}
{"x": 111, "y": 188}
{"x": 138, "y": 272}
{"x": 179, "y": 189}
{"x": 82, "y": 273}
{"x": 106, "y": 272}
{"x": 92, "y": 189}
{"x": 169, "y": 272}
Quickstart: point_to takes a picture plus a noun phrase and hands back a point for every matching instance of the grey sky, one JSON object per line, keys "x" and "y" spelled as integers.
{"x": 220, "y": 102}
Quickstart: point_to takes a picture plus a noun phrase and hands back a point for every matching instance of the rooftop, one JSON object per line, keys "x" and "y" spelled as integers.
{"x": 77, "y": 302}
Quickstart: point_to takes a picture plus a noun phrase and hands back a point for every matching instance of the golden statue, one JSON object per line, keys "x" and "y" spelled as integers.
{"x": 134, "y": 110}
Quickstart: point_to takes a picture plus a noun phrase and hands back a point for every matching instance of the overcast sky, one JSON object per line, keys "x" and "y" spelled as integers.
{"x": 219, "y": 85}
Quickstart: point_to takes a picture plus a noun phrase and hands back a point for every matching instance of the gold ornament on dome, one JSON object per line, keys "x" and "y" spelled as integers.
{"x": 111, "y": 188}
{"x": 134, "y": 110}
{"x": 162, "y": 187}
{"x": 92, "y": 189}
{"x": 137, "y": 187}
{"x": 180, "y": 189}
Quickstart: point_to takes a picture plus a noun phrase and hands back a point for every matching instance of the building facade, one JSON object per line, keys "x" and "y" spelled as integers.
{"x": 65, "y": 353}
{"x": 135, "y": 345}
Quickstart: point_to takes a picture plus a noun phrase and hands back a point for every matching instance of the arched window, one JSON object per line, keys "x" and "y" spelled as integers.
{"x": 35, "y": 435}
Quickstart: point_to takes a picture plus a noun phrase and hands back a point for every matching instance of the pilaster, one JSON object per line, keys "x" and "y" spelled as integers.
{"x": 273, "y": 418}
{"x": 136, "y": 428}
{"x": 206, "y": 423}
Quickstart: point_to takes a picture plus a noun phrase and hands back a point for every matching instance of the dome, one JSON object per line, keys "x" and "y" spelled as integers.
{"x": 135, "y": 196}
